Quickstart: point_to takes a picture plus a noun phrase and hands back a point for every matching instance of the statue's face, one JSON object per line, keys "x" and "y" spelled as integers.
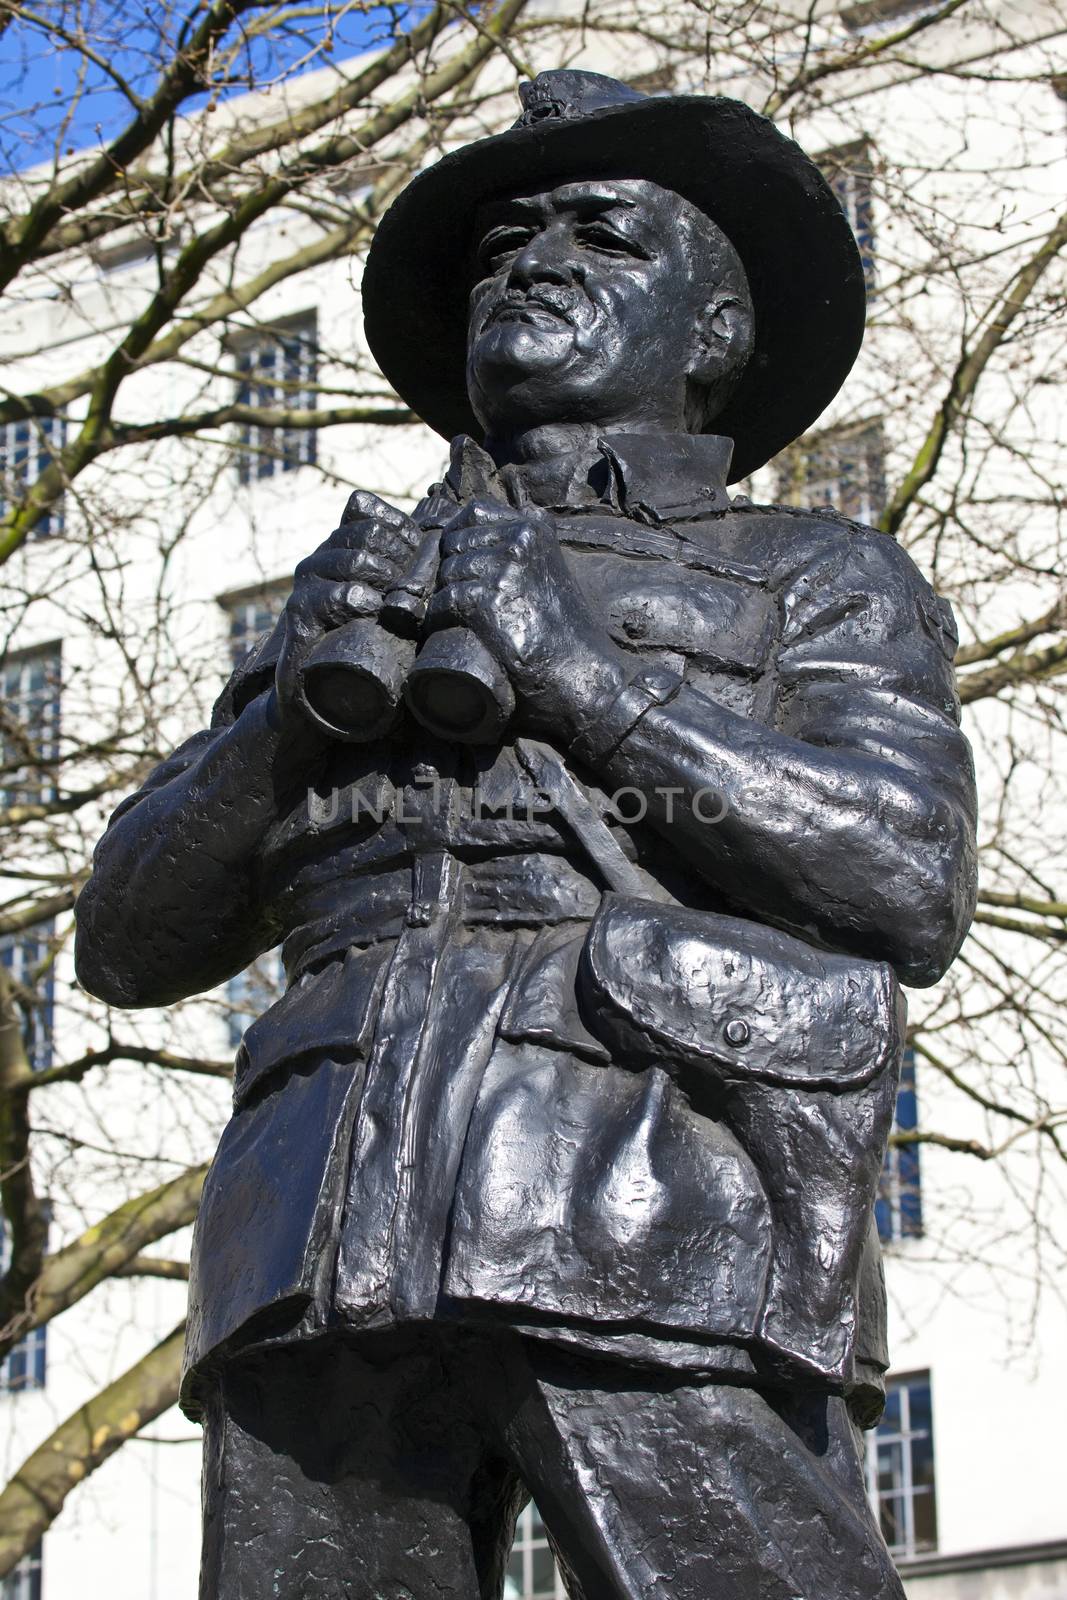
{"x": 587, "y": 306}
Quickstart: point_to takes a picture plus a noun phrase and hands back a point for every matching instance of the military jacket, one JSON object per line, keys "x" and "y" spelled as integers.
{"x": 532, "y": 1067}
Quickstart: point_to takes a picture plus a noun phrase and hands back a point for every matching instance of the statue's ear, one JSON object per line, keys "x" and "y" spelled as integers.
{"x": 722, "y": 339}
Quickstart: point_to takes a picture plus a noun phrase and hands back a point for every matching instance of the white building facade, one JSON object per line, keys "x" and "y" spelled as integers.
{"x": 965, "y": 1467}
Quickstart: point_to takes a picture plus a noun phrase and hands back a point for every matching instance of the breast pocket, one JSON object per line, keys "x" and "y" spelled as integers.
{"x": 718, "y": 622}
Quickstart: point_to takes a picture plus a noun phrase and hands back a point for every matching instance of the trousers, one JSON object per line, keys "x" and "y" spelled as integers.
{"x": 393, "y": 1466}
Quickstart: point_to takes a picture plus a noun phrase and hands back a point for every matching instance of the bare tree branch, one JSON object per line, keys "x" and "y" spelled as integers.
{"x": 36, "y": 1494}
{"x": 1029, "y": 667}
{"x": 969, "y": 369}
{"x": 862, "y": 53}
{"x": 1034, "y": 930}
{"x": 305, "y": 420}
{"x": 39, "y": 911}
{"x": 1050, "y": 621}
{"x": 23, "y": 1212}
{"x": 1022, "y": 902}
{"x": 22, "y": 236}
{"x": 149, "y": 194}
{"x": 154, "y": 1267}
{"x": 95, "y": 434}
{"x": 74, "y": 1071}
{"x": 102, "y": 1250}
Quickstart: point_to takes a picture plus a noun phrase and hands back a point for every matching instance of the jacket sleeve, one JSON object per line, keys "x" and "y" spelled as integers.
{"x": 852, "y": 821}
{"x": 865, "y": 668}
{"x": 172, "y": 905}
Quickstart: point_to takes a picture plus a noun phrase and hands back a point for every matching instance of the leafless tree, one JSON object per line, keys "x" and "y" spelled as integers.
{"x": 235, "y": 117}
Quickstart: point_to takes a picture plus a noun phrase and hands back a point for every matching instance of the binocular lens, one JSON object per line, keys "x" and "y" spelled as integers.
{"x": 450, "y": 704}
{"x": 348, "y": 699}
{"x": 353, "y": 680}
{"x": 457, "y": 690}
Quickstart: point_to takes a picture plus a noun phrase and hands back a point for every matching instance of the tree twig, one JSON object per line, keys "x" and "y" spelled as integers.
{"x": 34, "y": 1497}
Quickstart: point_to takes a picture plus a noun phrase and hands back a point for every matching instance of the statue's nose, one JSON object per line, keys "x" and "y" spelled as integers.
{"x": 544, "y": 259}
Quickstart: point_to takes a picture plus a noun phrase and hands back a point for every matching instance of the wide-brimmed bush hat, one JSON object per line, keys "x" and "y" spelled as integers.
{"x": 767, "y": 196}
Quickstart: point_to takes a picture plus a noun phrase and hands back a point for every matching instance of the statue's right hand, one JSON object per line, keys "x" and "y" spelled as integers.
{"x": 344, "y": 578}
{"x": 348, "y": 574}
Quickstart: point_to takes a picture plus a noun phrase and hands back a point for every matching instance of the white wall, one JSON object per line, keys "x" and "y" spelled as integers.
{"x": 132, "y": 1532}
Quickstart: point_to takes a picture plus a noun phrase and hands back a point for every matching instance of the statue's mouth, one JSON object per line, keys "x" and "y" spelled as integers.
{"x": 533, "y": 310}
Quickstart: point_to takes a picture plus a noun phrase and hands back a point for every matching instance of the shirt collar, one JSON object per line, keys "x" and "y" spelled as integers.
{"x": 649, "y": 477}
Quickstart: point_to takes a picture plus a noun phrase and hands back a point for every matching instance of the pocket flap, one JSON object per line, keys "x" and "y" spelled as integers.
{"x": 542, "y": 1005}
{"x": 745, "y": 999}
{"x": 327, "y": 1013}
{"x": 716, "y": 620}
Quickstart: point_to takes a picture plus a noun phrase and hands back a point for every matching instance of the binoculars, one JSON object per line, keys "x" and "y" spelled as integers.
{"x": 357, "y": 679}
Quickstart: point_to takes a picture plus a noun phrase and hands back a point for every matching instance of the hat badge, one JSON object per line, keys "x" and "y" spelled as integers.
{"x": 567, "y": 95}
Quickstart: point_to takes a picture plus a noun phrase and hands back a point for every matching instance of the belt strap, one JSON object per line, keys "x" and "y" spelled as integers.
{"x": 551, "y": 774}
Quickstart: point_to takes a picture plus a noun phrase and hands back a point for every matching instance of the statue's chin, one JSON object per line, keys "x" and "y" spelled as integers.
{"x": 518, "y": 374}
{"x": 508, "y": 349}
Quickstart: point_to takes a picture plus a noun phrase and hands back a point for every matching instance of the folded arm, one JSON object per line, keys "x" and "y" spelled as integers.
{"x": 852, "y": 822}
{"x": 171, "y": 907}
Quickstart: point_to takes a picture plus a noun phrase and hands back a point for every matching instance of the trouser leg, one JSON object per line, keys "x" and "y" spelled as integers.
{"x": 343, "y": 1474}
{"x": 661, "y": 1491}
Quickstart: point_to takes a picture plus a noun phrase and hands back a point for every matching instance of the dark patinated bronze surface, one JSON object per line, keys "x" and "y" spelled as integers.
{"x": 553, "y": 1170}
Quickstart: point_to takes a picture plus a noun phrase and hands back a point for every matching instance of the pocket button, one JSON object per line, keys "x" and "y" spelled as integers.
{"x": 736, "y": 1031}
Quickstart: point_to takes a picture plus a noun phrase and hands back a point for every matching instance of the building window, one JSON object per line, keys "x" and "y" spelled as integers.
{"x": 900, "y": 1467}
{"x": 532, "y": 1573}
{"x": 29, "y": 725}
{"x": 277, "y": 369}
{"x": 23, "y": 1582}
{"x": 843, "y": 468}
{"x": 251, "y": 613}
{"x": 848, "y": 171}
{"x": 27, "y": 447}
{"x": 26, "y": 1364}
{"x": 28, "y": 958}
{"x": 898, "y": 1209}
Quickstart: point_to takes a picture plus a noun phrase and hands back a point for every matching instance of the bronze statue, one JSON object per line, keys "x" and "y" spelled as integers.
{"x": 599, "y": 817}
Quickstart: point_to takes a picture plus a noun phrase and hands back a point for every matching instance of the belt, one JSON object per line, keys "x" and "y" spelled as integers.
{"x": 527, "y": 890}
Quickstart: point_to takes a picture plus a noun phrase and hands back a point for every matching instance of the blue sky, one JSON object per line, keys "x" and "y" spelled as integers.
{"x": 40, "y": 74}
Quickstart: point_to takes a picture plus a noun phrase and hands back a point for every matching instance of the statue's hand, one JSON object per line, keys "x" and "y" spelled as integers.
{"x": 503, "y": 575}
{"x": 343, "y": 579}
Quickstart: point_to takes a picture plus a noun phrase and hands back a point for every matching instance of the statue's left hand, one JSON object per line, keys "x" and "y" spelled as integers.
{"x": 503, "y": 575}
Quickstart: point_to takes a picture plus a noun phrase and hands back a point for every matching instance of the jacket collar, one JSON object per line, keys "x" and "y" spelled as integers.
{"x": 648, "y": 477}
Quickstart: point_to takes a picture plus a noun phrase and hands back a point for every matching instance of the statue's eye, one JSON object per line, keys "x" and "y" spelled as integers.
{"x": 500, "y": 244}
{"x": 598, "y": 236}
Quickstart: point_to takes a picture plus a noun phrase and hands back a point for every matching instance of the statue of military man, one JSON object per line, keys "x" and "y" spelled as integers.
{"x": 600, "y": 818}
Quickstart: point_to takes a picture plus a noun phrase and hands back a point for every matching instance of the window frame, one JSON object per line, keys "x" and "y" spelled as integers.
{"x": 24, "y": 1369}
{"x": 859, "y": 497}
{"x": 265, "y": 451}
{"x": 530, "y": 1541}
{"x": 32, "y": 785}
{"x": 25, "y": 1580}
{"x": 903, "y": 1439}
{"x": 849, "y": 170}
{"x": 37, "y": 441}
{"x": 251, "y": 992}
{"x": 898, "y": 1207}
{"x": 30, "y": 949}
{"x": 251, "y": 614}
